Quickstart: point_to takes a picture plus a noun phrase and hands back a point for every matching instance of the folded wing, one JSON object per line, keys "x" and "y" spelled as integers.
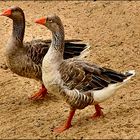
{"x": 84, "y": 76}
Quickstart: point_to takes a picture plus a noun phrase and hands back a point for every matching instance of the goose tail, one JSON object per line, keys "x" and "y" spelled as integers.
{"x": 129, "y": 74}
{"x": 102, "y": 95}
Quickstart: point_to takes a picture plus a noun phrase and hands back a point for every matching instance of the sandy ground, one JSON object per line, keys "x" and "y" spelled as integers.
{"x": 113, "y": 31}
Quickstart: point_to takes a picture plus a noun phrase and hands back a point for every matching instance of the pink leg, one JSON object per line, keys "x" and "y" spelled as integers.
{"x": 39, "y": 95}
{"x": 98, "y": 113}
{"x": 67, "y": 124}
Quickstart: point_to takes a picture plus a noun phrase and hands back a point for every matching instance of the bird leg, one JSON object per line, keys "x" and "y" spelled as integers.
{"x": 98, "y": 113}
{"x": 39, "y": 95}
{"x": 67, "y": 124}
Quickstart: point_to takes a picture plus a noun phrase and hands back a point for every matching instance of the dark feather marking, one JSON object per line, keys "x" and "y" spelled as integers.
{"x": 115, "y": 77}
{"x": 37, "y": 49}
{"x": 84, "y": 76}
{"x": 100, "y": 81}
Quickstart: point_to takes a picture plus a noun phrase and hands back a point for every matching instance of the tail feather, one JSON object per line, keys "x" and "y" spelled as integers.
{"x": 104, "y": 93}
{"x": 129, "y": 74}
{"x": 114, "y": 75}
{"x": 118, "y": 77}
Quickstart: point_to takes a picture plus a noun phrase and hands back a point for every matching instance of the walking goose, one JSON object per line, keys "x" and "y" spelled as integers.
{"x": 25, "y": 59}
{"x": 79, "y": 83}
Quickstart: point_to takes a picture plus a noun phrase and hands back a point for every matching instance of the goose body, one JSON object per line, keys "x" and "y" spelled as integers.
{"x": 79, "y": 83}
{"x": 25, "y": 58}
{"x": 82, "y": 84}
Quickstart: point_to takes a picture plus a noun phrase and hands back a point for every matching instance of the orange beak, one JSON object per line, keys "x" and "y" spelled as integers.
{"x": 7, "y": 12}
{"x": 41, "y": 21}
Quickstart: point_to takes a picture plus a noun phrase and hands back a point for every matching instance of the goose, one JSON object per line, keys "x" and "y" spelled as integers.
{"x": 25, "y": 58}
{"x": 76, "y": 81}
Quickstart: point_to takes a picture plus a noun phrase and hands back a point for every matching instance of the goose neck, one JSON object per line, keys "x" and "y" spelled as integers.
{"x": 58, "y": 40}
{"x": 18, "y": 28}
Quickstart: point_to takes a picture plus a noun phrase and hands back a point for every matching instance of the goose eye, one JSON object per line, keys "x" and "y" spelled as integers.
{"x": 49, "y": 20}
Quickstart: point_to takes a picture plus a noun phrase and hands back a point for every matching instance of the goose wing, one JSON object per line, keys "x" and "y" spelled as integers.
{"x": 37, "y": 49}
{"x": 84, "y": 76}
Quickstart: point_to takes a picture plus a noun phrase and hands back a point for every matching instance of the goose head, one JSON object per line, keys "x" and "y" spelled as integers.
{"x": 52, "y": 22}
{"x": 15, "y": 13}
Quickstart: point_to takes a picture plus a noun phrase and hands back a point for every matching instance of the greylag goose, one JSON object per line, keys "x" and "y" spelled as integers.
{"x": 25, "y": 59}
{"x": 79, "y": 83}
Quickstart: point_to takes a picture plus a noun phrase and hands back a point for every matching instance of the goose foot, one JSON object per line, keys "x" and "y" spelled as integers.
{"x": 61, "y": 128}
{"x": 99, "y": 113}
{"x": 67, "y": 125}
{"x": 39, "y": 95}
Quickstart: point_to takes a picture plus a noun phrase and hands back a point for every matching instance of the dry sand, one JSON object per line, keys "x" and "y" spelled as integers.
{"x": 113, "y": 31}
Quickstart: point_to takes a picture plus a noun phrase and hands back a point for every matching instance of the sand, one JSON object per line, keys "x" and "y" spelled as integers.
{"x": 113, "y": 31}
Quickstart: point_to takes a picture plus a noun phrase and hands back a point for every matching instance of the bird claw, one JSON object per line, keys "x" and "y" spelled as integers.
{"x": 39, "y": 95}
{"x": 97, "y": 115}
{"x": 61, "y": 128}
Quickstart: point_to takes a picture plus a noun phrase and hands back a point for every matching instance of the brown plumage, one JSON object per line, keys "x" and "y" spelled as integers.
{"x": 25, "y": 59}
{"x": 84, "y": 77}
{"x": 79, "y": 83}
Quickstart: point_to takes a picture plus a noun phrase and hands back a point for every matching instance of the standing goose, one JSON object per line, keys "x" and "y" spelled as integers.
{"x": 25, "y": 59}
{"x": 79, "y": 83}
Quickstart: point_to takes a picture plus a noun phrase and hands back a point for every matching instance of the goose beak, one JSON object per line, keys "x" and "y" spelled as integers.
{"x": 7, "y": 12}
{"x": 41, "y": 21}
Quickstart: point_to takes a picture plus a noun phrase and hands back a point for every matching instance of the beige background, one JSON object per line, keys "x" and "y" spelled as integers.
{"x": 113, "y": 31}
